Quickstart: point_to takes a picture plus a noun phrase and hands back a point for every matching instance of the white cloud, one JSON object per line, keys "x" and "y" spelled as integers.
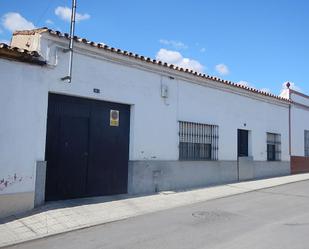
{"x": 176, "y": 58}
{"x": 247, "y": 84}
{"x": 243, "y": 83}
{"x": 284, "y": 91}
{"x": 265, "y": 90}
{"x": 13, "y": 21}
{"x": 5, "y": 41}
{"x": 174, "y": 44}
{"x": 50, "y": 22}
{"x": 222, "y": 69}
{"x": 64, "y": 13}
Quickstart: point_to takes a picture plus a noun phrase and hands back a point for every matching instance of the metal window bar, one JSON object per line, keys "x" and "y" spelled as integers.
{"x": 273, "y": 147}
{"x": 198, "y": 141}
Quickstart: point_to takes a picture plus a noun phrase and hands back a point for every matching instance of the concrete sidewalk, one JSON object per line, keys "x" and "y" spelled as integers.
{"x": 63, "y": 216}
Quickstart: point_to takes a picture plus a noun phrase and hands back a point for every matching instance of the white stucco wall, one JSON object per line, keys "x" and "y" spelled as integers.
{"x": 155, "y": 120}
{"x": 299, "y": 123}
{"x": 300, "y": 98}
{"x": 22, "y": 128}
{"x": 154, "y": 123}
{"x": 232, "y": 112}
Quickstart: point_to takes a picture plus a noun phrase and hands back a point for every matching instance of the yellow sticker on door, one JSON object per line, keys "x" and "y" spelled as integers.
{"x": 114, "y": 118}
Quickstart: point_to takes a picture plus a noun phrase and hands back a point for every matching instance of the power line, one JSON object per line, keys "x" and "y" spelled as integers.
{"x": 44, "y": 12}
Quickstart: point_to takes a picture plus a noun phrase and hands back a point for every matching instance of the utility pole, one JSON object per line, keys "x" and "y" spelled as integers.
{"x": 70, "y": 49}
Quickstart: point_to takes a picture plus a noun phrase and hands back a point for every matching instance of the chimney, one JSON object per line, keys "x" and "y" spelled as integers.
{"x": 28, "y": 39}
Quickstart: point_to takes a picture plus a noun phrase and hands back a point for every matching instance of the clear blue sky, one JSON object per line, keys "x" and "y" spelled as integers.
{"x": 261, "y": 42}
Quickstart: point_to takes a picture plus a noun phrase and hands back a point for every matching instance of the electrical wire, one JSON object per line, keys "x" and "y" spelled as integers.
{"x": 44, "y": 12}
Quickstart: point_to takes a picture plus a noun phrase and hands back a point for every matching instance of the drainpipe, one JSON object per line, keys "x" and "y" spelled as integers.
{"x": 290, "y": 123}
{"x": 290, "y": 126}
{"x": 290, "y": 152}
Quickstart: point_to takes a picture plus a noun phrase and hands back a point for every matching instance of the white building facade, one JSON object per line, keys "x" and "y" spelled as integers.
{"x": 129, "y": 124}
{"x": 299, "y": 120}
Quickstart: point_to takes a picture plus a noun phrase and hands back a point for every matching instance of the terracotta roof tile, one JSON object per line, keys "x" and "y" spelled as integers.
{"x": 150, "y": 60}
{"x": 19, "y": 54}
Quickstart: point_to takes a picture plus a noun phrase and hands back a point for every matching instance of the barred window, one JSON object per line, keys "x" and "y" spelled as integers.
{"x": 198, "y": 141}
{"x": 273, "y": 147}
{"x": 306, "y": 143}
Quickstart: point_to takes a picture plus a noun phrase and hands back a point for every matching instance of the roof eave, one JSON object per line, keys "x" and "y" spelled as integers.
{"x": 153, "y": 61}
{"x": 21, "y": 55}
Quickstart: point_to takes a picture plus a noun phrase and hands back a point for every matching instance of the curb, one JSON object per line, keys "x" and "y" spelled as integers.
{"x": 242, "y": 190}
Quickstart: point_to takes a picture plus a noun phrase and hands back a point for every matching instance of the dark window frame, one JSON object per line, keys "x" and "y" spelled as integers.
{"x": 242, "y": 143}
{"x": 271, "y": 152}
{"x": 198, "y": 142}
{"x": 273, "y": 146}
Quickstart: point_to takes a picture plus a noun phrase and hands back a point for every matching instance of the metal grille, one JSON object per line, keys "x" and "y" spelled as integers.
{"x": 273, "y": 147}
{"x": 306, "y": 143}
{"x": 198, "y": 141}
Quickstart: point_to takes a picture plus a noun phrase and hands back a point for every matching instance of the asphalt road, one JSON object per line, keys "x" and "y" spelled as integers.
{"x": 270, "y": 218}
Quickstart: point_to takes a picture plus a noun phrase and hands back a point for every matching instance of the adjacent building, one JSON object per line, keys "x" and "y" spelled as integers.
{"x": 130, "y": 124}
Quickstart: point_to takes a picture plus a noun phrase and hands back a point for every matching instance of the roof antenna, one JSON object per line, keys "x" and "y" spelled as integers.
{"x": 70, "y": 49}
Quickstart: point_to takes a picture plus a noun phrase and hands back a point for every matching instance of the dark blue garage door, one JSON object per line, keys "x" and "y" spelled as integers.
{"x": 87, "y": 147}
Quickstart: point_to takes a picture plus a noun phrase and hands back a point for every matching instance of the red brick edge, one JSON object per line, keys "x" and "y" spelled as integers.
{"x": 299, "y": 164}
